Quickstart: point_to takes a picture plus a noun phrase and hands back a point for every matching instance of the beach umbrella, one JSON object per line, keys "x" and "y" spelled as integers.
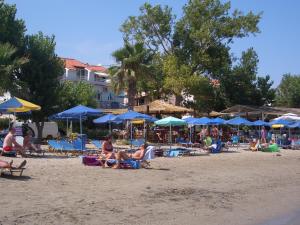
{"x": 280, "y": 123}
{"x": 132, "y": 115}
{"x": 217, "y": 121}
{"x": 18, "y": 105}
{"x": 80, "y": 111}
{"x": 260, "y": 123}
{"x": 238, "y": 121}
{"x": 289, "y": 117}
{"x": 202, "y": 121}
{"x": 170, "y": 121}
{"x": 294, "y": 125}
{"x": 109, "y": 118}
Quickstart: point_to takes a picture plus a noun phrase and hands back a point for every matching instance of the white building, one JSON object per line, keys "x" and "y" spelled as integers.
{"x": 98, "y": 77}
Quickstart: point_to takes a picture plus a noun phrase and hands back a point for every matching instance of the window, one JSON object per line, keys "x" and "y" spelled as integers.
{"x": 98, "y": 78}
{"x": 81, "y": 75}
{"x": 105, "y": 89}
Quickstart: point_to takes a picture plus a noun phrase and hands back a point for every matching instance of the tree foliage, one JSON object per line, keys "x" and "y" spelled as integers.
{"x": 39, "y": 78}
{"x": 287, "y": 93}
{"x": 76, "y": 93}
{"x": 134, "y": 69}
{"x": 195, "y": 49}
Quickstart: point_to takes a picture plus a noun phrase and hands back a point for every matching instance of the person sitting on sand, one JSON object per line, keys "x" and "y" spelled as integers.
{"x": 107, "y": 148}
{"x": 254, "y": 145}
{"x": 138, "y": 155}
{"x": 10, "y": 144}
{"x": 27, "y": 145}
{"x": 9, "y": 165}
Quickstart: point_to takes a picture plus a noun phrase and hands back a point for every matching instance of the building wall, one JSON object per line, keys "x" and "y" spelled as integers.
{"x": 105, "y": 96}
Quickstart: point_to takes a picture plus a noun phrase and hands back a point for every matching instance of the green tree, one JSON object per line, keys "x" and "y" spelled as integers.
{"x": 198, "y": 43}
{"x": 243, "y": 86}
{"x": 134, "y": 68}
{"x": 12, "y": 30}
{"x": 8, "y": 65}
{"x": 11, "y": 42}
{"x": 39, "y": 78}
{"x": 76, "y": 93}
{"x": 287, "y": 93}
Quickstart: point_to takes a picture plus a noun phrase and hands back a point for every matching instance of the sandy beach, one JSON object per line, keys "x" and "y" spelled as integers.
{"x": 230, "y": 188}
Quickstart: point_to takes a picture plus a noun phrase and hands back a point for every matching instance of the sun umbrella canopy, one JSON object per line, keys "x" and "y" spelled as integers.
{"x": 260, "y": 123}
{"x": 289, "y": 117}
{"x": 18, "y": 105}
{"x": 238, "y": 121}
{"x": 170, "y": 121}
{"x": 58, "y": 117}
{"x": 202, "y": 121}
{"x": 131, "y": 115}
{"x": 280, "y": 122}
{"x": 80, "y": 110}
{"x": 109, "y": 118}
{"x": 217, "y": 121}
{"x": 294, "y": 125}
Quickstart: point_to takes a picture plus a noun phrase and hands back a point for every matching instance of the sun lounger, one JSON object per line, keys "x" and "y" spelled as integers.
{"x": 54, "y": 145}
{"x": 13, "y": 171}
{"x": 98, "y": 144}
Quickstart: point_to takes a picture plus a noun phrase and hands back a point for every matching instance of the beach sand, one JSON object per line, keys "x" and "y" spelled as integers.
{"x": 247, "y": 188}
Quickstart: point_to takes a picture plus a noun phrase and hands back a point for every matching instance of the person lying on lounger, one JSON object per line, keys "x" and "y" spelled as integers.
{"x": 138, "y": 155}
{"x": 10, "y": 144}
{"x": 9, "y": 165}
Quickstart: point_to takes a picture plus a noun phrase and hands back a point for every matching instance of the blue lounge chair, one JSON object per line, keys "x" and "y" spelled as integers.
{"x": 78, "y": 145}
{"x": 97, "y": 143}
{"x": 138, "y": 142}
{"x": 55, "y": 145}
{"x": 67, "y": 146}
{"x": 218, "y": 148}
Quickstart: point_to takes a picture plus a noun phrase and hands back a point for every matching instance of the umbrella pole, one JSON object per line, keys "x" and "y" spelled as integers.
{"x": 109, "y": 127}
{"x": 145, "y": 130}
{"x": 170, "y": 136}
{"x": 81, "y": 133}
{"x": 67, "y": 128}
{"x": 131, "y": 134}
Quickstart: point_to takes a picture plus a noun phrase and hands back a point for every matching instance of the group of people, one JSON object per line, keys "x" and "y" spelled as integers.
{"x": 11, "y": 146}
{"x": 113, "y": 159}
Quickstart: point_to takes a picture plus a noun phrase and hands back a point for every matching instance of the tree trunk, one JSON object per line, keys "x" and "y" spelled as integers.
{"x": 39, "y": 127}
{"x": 131, "y": 93}
{"x": 178, "y": 99}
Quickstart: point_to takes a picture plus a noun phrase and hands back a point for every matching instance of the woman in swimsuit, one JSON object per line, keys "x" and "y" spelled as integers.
{"x": 107, "y": 148}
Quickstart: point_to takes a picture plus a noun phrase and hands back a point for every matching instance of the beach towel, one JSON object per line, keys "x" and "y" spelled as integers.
{"x": 91, "y": 161}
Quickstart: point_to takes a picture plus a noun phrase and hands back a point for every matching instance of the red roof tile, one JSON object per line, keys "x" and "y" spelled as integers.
{"x": 96, "y": 68}
{"x": 74, "y": 63}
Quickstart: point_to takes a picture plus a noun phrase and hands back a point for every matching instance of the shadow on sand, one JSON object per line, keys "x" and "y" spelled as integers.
{"x": 13, "y": 177}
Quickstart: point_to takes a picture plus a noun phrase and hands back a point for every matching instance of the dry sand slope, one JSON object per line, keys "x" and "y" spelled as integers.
{"x": 228, "y": 188}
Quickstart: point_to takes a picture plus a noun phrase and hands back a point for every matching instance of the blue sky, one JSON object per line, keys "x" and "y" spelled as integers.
{"x": 89, "y": 30}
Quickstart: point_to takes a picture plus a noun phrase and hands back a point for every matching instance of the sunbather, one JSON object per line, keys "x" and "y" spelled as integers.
{"x": 9, "y": 165}
{"x": 27, "y": 145}
{"x": 254, "y": 145}
{"x": 107, "y": 148}
{"x": 138, "y": 155}
{"x": 10, "y": 144}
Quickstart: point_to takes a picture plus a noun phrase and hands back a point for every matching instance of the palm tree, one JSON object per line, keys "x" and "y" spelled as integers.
{"x": 9, "y": 63}
{"x": 134, "y": 66}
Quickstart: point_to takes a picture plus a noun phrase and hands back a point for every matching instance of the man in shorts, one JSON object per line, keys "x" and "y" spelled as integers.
{"x": 11, "y": 145}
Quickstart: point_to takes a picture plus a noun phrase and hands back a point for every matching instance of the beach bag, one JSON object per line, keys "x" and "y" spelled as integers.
{"x": 91, "y": 161}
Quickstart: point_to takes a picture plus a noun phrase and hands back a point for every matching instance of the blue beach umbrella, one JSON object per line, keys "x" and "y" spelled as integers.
{"x": 109, "y": 118}
{"x": 217, "y": 121}
{"x": 260, "y": 123}
{"x": 294, "y": 125}
{"x": 132, "y": 115}
{"x": 80, "y": 111}
{"x": 238, "y": 121}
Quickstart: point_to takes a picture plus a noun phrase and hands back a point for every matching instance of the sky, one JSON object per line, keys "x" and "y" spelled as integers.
{"x": 89, "y": 30}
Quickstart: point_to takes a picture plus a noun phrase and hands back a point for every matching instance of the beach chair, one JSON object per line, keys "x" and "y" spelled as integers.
{"x": 138, "y": 142}
{"x": 54, "y": 146}
{"x": 218, "y": 147}
{"x": 137, "y": 164}
{"x": 13, "y": 171}
{"x": 97, "y": 143}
